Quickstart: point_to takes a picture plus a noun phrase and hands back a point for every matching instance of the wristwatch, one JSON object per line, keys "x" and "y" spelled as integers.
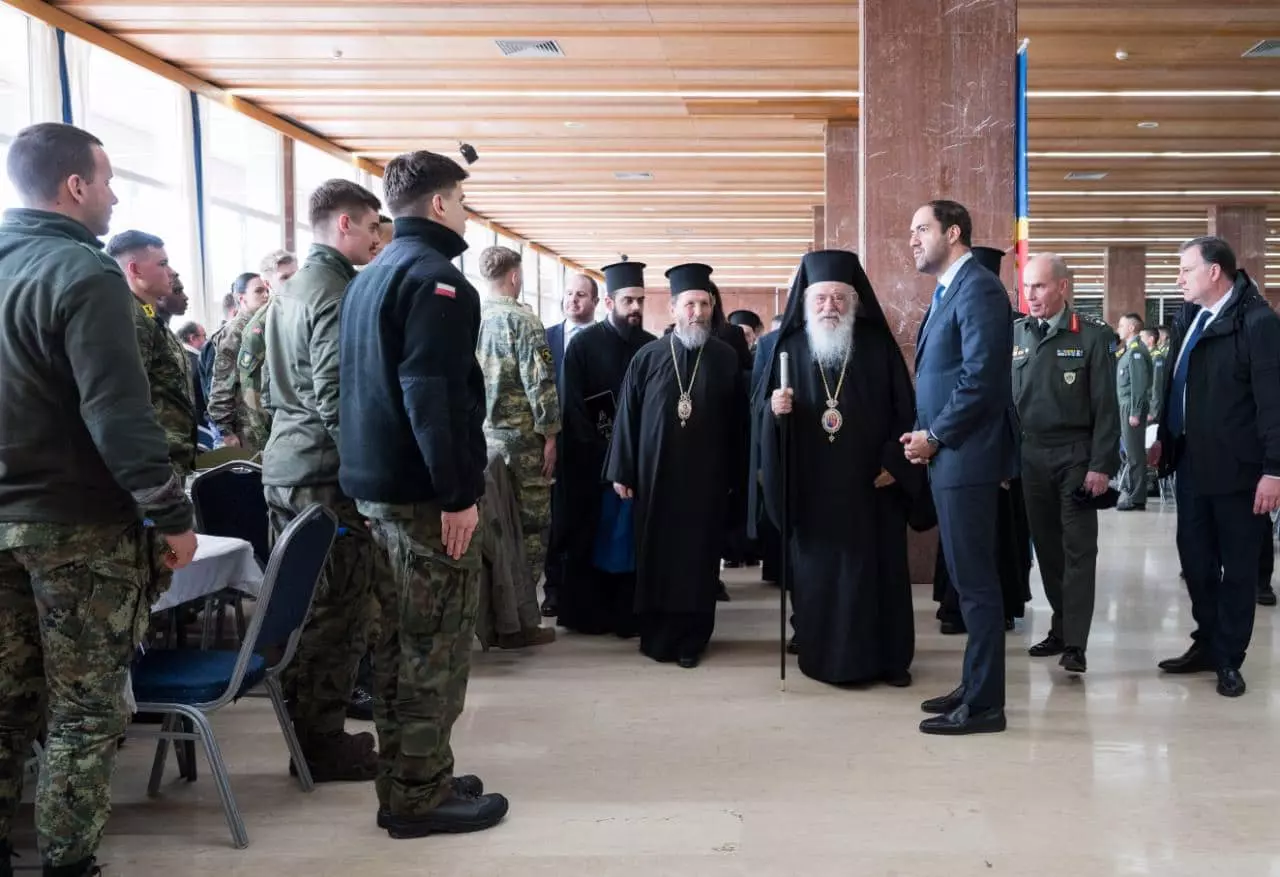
{"x": 933, "y": 441}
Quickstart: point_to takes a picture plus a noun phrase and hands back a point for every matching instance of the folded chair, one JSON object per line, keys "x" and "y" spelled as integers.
{"x": 187, "y": 685}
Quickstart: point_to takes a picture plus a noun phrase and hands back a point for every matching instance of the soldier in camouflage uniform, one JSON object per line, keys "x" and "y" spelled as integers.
{"x": 253, "y": 355}
{"x": 228, "y": 408}
{"x": 1133, "y": 390}
{"x": 82, "y": 459}
{"x": 522, "y": 409}
{"x": 145, "y": 265}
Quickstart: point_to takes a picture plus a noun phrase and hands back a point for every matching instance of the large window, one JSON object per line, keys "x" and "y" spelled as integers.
{"x": 15, "y": 91}
{"x": 311, "y": 167}
{"x": 141, "y": 118}
{"x": 550, "y": 289}
{"x": 479, "y": 238}
{"x": 244, "y": 193}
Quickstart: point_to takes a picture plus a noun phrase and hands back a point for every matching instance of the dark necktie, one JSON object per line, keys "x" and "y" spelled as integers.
{"x": 1178, "y": 386}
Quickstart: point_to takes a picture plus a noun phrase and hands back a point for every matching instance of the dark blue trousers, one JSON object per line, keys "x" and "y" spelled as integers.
{"x": 967, "y": 528}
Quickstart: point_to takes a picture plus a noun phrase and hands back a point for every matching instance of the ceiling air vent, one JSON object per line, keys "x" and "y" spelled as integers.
{"x": 1265, "y": 49}
{"x": 633, "y": 176}
{"x": 1091, "y": 176}
{"x": 530, "y": 48}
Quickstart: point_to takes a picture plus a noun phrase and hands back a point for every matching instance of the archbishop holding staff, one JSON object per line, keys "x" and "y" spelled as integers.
{"x": 678, "y": 448}
{"x": 850, "y": 488}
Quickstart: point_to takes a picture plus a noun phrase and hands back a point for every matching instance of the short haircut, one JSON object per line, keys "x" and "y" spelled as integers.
{"x": 132, "y": 241}
{"x": 416, "y": 176}
{"x": 238, "y": 287}
{"x": 383, "y": 219}
{"x": 595, "y": 287}
{"x": 275, "y": 260}
{"x": 188, "y": 331}
{"x": 1214, "y": 251}
{"x": 745, "y": 317}
{"x": 498, "y": 262}
{"x": 949, "y": 213}
{"x": 335, "y": 197}
{"x": 1057, "y": 263}
{"x": 43, "y": 157}
{"x": 1162, "y": 328}
{"x": 1135, "y": 319}
{"x": 229, "y": 302}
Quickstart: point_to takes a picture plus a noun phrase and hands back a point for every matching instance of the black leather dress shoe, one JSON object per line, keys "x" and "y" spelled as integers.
{"x": 944, "y": 704}
{"x": 455, "y": 815}
{"x": 793, "y": 647}
{"x": 1073, "y": 660}
{"x": 898, "y": 678}
{"x": 465, "y": 786}
{"x": 962, "y": 721}
{"x": 1230, "y": 682}
{"x": 951, "y": 628}
{"x": 688, "y": 662}
{"x": 550, "y": 606}
{"x": 1193, "y": 660}
{"x": 1266, "y": 597}
{"x": 361, "y": 706}
{"x": 1048, "y": 647}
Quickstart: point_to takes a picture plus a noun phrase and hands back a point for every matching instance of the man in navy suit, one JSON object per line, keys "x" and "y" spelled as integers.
{"x": 966, "y": 433}
{"x": 581, "y": 295}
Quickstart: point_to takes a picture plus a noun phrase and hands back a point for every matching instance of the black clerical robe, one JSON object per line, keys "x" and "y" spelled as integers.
{"x": 848, "y": 549}
{"x": 682, "y": 476}
{"x": 591, "y": 600}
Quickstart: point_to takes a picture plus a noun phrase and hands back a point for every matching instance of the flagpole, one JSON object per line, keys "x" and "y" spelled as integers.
{"x": 784, "y": 574}
{"x": 1022, "y": 233}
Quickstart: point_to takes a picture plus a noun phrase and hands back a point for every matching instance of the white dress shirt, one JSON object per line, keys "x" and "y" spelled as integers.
{"x": 948, "y": 277}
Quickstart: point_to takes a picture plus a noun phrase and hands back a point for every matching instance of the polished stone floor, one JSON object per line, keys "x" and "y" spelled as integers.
{"x": 617, "y": 766}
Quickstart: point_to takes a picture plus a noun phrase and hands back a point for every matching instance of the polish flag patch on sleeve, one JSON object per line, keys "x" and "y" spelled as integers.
{"x": 446, "y": 290}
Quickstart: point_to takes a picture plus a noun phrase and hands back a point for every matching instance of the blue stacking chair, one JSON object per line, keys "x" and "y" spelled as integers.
{"x": 186, "y": 685}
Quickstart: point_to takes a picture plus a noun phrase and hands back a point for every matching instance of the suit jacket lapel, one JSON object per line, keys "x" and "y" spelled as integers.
{"x": 948, "y": 302}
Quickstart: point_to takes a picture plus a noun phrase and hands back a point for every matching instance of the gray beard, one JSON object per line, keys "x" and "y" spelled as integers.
{"x": 829, "y": 347}
{"x": 693, "y": 336}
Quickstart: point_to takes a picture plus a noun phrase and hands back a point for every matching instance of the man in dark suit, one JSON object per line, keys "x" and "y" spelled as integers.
{"x": 966, "y": 434}
{"x": 581, "y": 295}
{"x": 1221, "y": 435}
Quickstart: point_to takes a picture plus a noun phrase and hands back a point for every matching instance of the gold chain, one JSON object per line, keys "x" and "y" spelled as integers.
{"x": 832, "y": 401}
{"x": 675, "y": 362}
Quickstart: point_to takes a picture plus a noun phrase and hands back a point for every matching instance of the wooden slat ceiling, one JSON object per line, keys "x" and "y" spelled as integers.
{"x": 724, "y": 104}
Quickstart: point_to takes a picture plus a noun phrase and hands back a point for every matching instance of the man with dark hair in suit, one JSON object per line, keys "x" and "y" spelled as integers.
{"x": 966, "y": 434}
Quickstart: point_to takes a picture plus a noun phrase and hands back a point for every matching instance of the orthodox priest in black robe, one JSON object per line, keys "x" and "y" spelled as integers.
{"x": 1013, "y": 534}
{"x": 596, "y": 597}
{"x": 851, "y": 490}
{"x": 678, "y": 448}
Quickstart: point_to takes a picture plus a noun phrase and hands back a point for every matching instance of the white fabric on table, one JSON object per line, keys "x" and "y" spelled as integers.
{"x": 219, "y": 563}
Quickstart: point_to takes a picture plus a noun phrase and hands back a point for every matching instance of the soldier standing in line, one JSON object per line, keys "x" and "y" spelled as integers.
{"x": 522, "y": 411}
{"x": 1133, "y": 389}
{"x": 254, "y": 419}
{"x": 145, "y": 265}
{"x": 1151, "y": 338}
{"x": 1064, "y": 388}
{"x": 82, "y": 460}
{"x": 228, "y": 408}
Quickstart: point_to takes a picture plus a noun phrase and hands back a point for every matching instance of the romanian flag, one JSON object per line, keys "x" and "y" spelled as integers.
{"x": 1021, "y": 234}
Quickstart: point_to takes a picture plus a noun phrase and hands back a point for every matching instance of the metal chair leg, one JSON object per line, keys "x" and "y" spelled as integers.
{"x": 239, "y": 835}
{"x": 272, "y": 684}
{"x": 206, "y": 623}
{"x": 241, "y": 625}
{"x": 162, "y": 753}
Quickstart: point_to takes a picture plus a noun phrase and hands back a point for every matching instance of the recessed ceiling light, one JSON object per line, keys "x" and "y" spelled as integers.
{"x": 573, "y": 124}
{"x": 1122, "y": 55}
{"x": 633, "y": 176}
{"x": 1148, "y": 125}
{"x": 1090, "y": 176}
{"x": 337, "y": 54}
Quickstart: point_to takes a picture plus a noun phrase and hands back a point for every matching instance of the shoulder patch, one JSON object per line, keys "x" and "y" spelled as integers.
{"x": 545, "y": 353}
{"x": 446, "y": 290}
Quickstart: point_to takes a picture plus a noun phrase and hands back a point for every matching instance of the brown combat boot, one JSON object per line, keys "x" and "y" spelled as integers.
{"x": 339, "y": 757}
{"x": 530, "y": 636}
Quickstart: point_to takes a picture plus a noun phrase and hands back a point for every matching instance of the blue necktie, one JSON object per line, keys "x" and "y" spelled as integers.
{"x": 1178, "y": 389}
{"x": 937, "y": 300}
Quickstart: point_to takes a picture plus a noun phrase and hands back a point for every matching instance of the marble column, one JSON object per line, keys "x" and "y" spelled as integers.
{"x": 1245, "y": 230}
{"x": 937, "y": 121}
{"x": 1124, "y": 287}
{"x": 841, "y": 177}
{"x": 819, "y": 228}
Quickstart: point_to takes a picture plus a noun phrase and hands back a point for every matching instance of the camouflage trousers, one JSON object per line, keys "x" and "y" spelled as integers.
{"x": 74, "y": 604}
{"x": 255, "y": 428}
{"x": 423, "y": 660}
{"x": 318, "y": 682}
{"x": 533, "y": 493}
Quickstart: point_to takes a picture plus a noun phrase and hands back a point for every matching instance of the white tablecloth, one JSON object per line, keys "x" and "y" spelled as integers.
{"x": 219, "y": 563}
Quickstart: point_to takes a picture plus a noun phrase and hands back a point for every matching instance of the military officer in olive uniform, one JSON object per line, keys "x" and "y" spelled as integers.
{"x": 1064, "y": 388}
{"x": 1151, "y": 338}
{"x": 1133, "y": 389}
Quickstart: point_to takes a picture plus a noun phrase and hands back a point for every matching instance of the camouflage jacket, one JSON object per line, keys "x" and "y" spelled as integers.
{"x": 253, "y": 417}
{"x": 169, "y": 374}
{"x": 519, "y": 377}
{"x": 225, "y": 398}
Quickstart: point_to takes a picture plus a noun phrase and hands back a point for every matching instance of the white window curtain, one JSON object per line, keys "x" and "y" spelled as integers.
{"x": 44, "y": 83}
{"x": 30, "y": 90}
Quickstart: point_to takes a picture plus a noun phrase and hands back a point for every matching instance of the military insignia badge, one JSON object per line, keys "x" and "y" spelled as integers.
{"x": 1069, "y": 378}
{"x": 545, "y": 353}
{"x": 149, "y": 311}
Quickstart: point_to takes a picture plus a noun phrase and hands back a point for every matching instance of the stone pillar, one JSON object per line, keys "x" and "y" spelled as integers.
{"x": 1124, "y": 286}
{"x": 1245, "y": 229}
{"x": 937, "y": 121}
{"x": 841, "y": 173}
{"x": 819, "y": 228}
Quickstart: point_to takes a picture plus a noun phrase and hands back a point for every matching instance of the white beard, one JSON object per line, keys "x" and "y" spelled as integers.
{"x": 693, "y": 336}
{"x": 829, "y": 347}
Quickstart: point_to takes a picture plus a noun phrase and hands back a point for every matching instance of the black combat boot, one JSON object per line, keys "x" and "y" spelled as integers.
{"x": 83, "y": 868}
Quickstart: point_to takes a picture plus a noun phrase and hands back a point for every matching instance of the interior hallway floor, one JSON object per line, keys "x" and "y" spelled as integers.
{"x": 618, "y": 766}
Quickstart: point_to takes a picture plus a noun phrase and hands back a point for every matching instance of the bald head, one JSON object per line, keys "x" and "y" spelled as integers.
{"x": 1047, "y": 283}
